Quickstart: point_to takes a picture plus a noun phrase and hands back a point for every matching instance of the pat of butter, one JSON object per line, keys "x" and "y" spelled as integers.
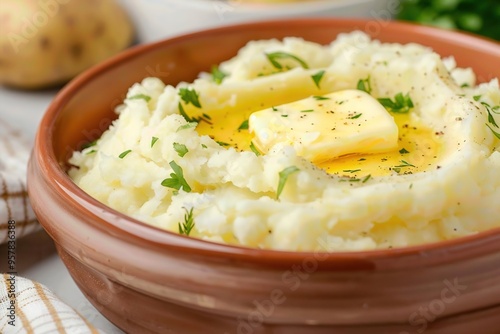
{"x": 327, "y": 127}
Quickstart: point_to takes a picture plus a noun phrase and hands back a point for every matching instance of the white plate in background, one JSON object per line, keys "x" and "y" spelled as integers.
{"x": 157, "y": 19}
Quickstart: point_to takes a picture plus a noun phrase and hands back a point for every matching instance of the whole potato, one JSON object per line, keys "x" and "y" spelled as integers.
{"x": 47, "y": 42}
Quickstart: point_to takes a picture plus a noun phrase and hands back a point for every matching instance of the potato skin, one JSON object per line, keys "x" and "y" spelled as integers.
{"x": 47, "y": 42}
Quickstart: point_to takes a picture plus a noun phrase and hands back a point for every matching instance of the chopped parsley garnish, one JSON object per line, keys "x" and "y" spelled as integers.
{"x": 124, "y": 154}
{"x": 140, "y": 97}
{"x": 207, "y": 116}
{"x": 186, "y": 116}
{"x": 188, "y": 224}
{"x": 254, "y": 149}
{"x": 404, "y": 151}
{"x": 91, "y": 152}
{"x": 181, "y": 149}
{"x": 284, "y": 115}
{"x": 189, "y": 95}
{"x": 401, "y": 104}
{"x": 203, "y": 145}
{"x": 351, "y": 170}
{"x": 355, "y": 179}
{"x": 317, "y": 77}
{"x": 221, "y": 143}
{"x": 307, "y": 110}
{"x": 217, "y": 75}
{"x": 89, "y": 144}
{"x": 176, "y": 180}
{"x": 153, "y": 141}
{"x": 364, "y": 85}
{"x": 355, "y": 116}
{"x": 320, "y": 98}
{"x": 274, "y": 56}
{"x": 494, "y": 132}
{"x": 349, "y": 179}
{"x": 274, "y": 108}
{"x": 366, "y": 178}
{"x": 405, "y": 164}
{"x": 490, "y": 112}
{"x": 187, "y": 126}
{"x": 243, "y": 125}
{"x": 362, "y": 159}
{"x": 284, "y": 174}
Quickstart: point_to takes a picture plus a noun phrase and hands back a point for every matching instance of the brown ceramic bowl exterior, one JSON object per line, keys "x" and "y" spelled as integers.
{"x": 147, "y": 280}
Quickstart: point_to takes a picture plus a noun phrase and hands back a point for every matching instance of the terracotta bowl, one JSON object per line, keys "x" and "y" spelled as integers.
{"x": 147, "y": 280}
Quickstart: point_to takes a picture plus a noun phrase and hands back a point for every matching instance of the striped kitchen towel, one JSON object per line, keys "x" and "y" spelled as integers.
{"x": 27, "y": 307}
{"x": 14, "y": 203}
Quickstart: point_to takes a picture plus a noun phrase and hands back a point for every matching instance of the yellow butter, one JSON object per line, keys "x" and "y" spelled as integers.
{"x": 327, "y": 127}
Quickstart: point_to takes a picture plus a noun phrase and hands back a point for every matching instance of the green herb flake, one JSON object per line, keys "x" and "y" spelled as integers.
{"x": 476, "y": 97}
{"x": 366, "y": 178}
{"x": 176, "y": 180}
{"x": 355, "y": 116}
{"x": 274, "y": 56}
{"x": 404, "y": 164}
{"x": 320, "y": 98}
{"x": 362, "y": 159}
{"x": 186, "y": 116}
{"x": 124, "y": 154}
{"x": 243, "y": 125}
{"x": 490, "y": 112}
{"x": 404, "y": 151}
{"x": 221, "y": 143}
{"x": 203, "y": 145}
{"x": 181, "y": 149}
{"x": 284, "y": 174}
{"x": 187, "y": 126}
{"x": 189, "y": 95}
{"x": 274, "y": 108}
{"x": 349, "y": 179}
{"x": 284, "y": 115}
{"x": 402, "y": 104}
{"x": 217, "y": 75}
{"x": 140, "y": 97}
{"x": 207, "y": 116}
{"x": 307, "y": 110}
{"x": 364, "y": 85}
{"x": 351, "y": 170}
{"x": 188, "y": 224}
{"x": 89, "y": 144}
{"x": 494, "y": 132}
{"x": 153, "y": 141}
{"x": 91, "y": 152}
{"x": 317, "y": 77}
{"x": 254, "y": 149}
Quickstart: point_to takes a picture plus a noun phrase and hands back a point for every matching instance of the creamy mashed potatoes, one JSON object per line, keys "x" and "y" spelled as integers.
{"x": 297, "y": 146}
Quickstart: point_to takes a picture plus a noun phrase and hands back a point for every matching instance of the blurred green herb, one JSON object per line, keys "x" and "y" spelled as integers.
{"x": 140, "y": 97}
{"x": 217, "y": 75}
{"x": 479, "y": 17}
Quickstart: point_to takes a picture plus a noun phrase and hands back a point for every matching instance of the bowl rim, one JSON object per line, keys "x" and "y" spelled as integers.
{"x": 141, "y": 231}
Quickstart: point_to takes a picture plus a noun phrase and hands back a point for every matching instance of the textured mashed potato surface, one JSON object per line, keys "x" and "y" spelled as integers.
{"x": 234, "y": 192}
